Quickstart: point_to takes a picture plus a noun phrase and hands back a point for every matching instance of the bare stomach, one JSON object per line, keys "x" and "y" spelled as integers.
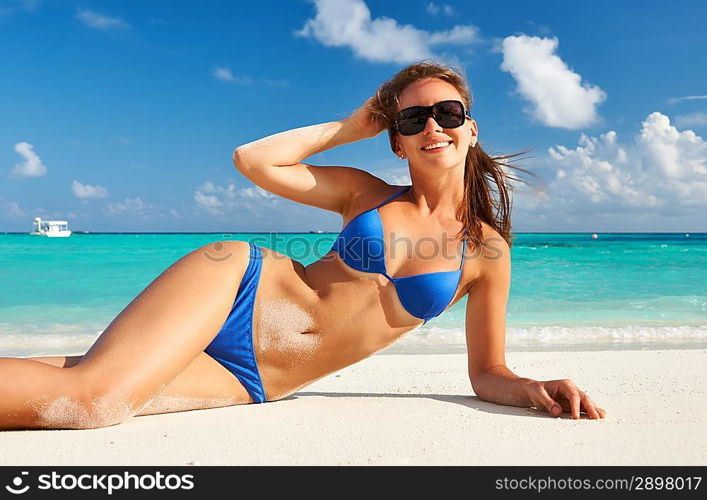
{"x": 311, "y": 321}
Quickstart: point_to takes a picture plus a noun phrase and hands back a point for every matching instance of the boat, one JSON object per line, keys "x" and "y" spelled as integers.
{"x": 317, "y": 231}
{"x": 51, "y": 228}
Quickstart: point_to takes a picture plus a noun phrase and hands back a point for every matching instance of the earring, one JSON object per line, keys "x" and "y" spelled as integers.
{"x": 402, "y": 157}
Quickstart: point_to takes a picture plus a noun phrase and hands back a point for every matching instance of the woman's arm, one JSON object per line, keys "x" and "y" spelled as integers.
{"x": 486, "y": 329}
{"x": 274, "y": 162}
{"x": 486, "y": 343}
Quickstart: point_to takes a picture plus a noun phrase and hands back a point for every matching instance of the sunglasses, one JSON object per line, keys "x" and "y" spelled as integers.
{"x": 448, "y": 114}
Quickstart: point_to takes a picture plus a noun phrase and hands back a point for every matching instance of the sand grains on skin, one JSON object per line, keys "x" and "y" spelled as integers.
{"x": 287, "y": 329}
{"x": 66, "y": 413}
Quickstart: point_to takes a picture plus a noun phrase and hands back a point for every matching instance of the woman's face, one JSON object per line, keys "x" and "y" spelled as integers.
{"x": 426, "y": 93}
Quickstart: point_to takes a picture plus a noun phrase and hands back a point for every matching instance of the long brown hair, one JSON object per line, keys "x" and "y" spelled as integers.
{"x": 486, "y": 192}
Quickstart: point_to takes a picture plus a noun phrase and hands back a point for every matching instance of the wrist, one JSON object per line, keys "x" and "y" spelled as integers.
{"x": 528, "y": 386}
{"x": 351, "y": 128}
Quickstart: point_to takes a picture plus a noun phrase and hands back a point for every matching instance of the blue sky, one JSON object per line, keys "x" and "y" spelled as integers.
{"x": 122, "y": 116}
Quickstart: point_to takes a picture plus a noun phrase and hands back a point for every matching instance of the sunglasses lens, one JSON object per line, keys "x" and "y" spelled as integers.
{"x": 412, "y": 121}
{"x": 450, "y": 114}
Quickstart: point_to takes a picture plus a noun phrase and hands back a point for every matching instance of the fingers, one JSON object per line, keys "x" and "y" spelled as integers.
{"x": 545, "y": 401}
{"x": 590, "y": 408}
{"x": 575, "y": 402}
{"x": 563, "y": 395}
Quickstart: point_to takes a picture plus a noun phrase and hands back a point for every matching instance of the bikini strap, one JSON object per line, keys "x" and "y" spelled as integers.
{"x": 391, "y": 198}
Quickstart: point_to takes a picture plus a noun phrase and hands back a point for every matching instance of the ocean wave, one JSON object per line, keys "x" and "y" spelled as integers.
{"x": 552, "y": 337}
{"x": 74, "y": 339}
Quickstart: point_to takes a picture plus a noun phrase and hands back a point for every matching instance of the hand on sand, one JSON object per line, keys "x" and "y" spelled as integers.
{"x": 368, "y": 123}
{"x": 557, "y": 396}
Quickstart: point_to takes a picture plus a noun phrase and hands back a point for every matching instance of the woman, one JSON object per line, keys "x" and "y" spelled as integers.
{"x": 234, "y": 322}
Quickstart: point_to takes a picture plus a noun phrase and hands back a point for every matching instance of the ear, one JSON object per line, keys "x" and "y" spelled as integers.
{"x": 396, "y": 148}
{"x": 474, "y": 132}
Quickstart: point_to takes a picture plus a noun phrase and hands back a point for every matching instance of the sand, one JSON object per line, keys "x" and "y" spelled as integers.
{"x": 419, "y": 409}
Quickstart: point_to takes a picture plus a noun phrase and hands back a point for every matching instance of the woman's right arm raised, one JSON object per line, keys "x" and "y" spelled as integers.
{"x": 274, "y": 162}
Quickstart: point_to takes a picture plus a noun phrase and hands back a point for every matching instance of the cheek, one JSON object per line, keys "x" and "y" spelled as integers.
{"x": 406, "y": 145}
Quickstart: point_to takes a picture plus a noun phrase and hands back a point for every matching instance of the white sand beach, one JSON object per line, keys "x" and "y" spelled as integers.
{"x": 394, "y": 409}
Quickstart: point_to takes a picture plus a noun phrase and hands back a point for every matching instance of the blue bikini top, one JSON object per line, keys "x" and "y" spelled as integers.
{"x": 361, "y": 246}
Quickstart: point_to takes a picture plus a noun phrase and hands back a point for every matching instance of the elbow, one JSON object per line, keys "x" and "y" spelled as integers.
{"x": 476, "y": 384}
{"x": 480, "y": 379}
{"x": 239, "y": 159}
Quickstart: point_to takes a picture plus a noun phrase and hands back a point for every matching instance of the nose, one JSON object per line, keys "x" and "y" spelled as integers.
{"x": 431, "y": 126}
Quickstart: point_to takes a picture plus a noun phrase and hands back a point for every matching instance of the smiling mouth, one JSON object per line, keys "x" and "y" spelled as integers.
{"x": 439, "y": 146}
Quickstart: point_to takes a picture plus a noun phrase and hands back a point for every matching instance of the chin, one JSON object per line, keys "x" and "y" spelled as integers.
{"x": 446, "y": 163}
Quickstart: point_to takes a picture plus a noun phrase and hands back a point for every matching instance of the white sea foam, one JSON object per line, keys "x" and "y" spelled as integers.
{"x": 49, "y": 339}
{"x": 434, "y": 339}
{"x": 71, "y": 340}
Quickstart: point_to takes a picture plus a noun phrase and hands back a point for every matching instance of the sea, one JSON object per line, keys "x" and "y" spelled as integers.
{"x": 569, "y": 291}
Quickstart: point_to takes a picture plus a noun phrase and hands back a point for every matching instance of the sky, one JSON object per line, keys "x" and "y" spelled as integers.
{"x": 123, "y": 115}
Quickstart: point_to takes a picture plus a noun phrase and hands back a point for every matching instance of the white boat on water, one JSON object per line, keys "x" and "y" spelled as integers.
{"x": 51, "y": 228}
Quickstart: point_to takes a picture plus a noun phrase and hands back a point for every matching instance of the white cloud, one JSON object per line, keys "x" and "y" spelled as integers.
{"x": 692, "y": 119}
{"x": 224, "y": 74}
{"x": 11, "y": 209}
{"x": 98, "y": 21}
{"x": 661, "y": 172}
{"x": 132, "y": 206}
{"x": 219, "y": 200}
{"x": 556, "y": 94}
{"x": 32, "y": 165}
{"x": 396, "y": 176}
{"x": 210, "y": 203}
{"x": 434, "y": 9}
{"x": 86, "y": 191}
{"x": 673, "y": 100}
{"x": 348, "y": 23}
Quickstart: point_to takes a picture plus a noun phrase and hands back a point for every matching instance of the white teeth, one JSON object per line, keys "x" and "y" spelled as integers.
{"x": 436, "y": 145}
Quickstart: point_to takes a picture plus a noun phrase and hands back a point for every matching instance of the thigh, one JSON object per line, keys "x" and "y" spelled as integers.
{"x": 162, "y": 331}
{"x": 204, "y": 383}
{"x": 58, "y": 361}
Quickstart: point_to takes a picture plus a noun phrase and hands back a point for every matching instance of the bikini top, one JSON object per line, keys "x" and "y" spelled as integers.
{"x": 361, "y": 246}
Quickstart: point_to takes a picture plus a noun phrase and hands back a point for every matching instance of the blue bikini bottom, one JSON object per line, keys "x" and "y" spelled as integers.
{"x": 233, "y": 344}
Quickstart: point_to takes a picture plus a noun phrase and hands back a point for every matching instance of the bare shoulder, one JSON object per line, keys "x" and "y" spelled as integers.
{"x": 368, "y": 191}
{"x": 487, "y": 260}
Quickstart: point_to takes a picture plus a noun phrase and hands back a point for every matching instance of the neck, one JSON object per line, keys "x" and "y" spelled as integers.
{"x": 437, "y": 193}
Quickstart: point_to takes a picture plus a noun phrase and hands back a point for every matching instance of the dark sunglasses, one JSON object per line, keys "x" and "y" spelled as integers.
{"x": 448, "y": 114}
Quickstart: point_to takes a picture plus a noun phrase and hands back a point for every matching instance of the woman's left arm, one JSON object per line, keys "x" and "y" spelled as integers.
{"x": 486, "y": 343}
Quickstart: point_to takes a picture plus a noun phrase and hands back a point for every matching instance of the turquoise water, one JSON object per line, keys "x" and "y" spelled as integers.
{"x": 567, "y": 290}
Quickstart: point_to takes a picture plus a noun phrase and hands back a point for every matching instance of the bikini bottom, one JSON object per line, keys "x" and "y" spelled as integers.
{"x": 233, "y": 344}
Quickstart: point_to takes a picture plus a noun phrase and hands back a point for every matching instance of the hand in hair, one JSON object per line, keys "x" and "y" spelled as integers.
{"x": 366, "y": 121}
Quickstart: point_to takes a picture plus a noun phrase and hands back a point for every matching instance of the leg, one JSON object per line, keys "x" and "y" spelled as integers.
{"x": 154, "y": 339}
{"x": 60, "y": 361}
{"x": 205, "y": 383}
